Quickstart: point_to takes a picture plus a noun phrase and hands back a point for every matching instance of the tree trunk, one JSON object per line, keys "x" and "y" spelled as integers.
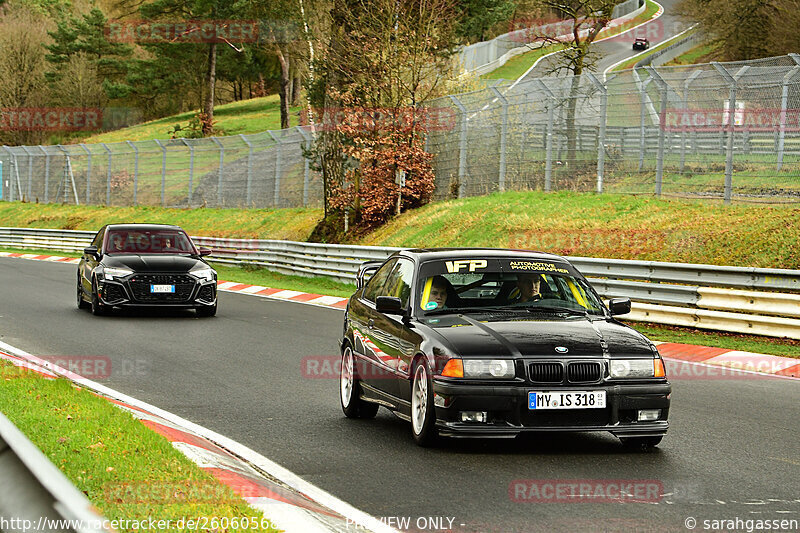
{"x": 296, "y": 86}
{"x": 284, "y": 88}
{"x": 261, "y": 89}
{"x": 211, "y": 78}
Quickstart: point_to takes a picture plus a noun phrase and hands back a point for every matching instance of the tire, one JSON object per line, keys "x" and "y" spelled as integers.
{"x": 640, "y": 443}
{"x": 207, "y": 310}
{"x": 82, "y": 304}
{"x": 423, "y": 412}
{"x": 98, "y": 309}
{"x": 350, "y": 389}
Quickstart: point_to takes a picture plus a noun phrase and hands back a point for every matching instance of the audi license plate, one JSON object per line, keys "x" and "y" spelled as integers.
{"x": 162, "y": 288}
{"x": 573, "y": 399}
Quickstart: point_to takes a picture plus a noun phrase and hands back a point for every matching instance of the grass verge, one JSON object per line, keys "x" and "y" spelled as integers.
{"x": 719, "y": 339}
{"x": 128, "y": 471}
{"x": 703, "y": 53}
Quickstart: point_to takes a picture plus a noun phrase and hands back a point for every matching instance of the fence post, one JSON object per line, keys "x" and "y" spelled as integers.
{"x": 88, "y": 171}
{"x": 501, "y": 185}
{"x": 686, "y": 84}
{"x": 643, "y": 109}
{"x": 46, "y": 174}
{"x": 30, "y": 170}
{"x": 732, "y": 80}
{"x": 462, "y": 146}
{"x": 784, "y": 106}
{"x": 191, "y": 169}
{"x": 221, "y": 163}
{"x": 548, "y": 136}
{"x": 13, "y": 160}
{"x": 279, "y": 148}
{"x": 662, "y": 85}
{"x": 163, "y": 170}
{"x": 307, "y": 138}
{"x": 108, "y": 174}
{"x": 135, "y": 172}
{"x": 249, "y": 167}
{"x": 601, "y": 136}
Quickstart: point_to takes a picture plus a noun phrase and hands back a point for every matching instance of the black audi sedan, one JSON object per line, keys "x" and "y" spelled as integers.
{"x": 145, "y": 265}
{"x": 493, "y": 343}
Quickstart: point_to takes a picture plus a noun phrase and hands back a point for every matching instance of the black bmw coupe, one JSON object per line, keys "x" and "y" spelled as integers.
{"x": 493, "y": 343}
{"x": 145, "y": 265}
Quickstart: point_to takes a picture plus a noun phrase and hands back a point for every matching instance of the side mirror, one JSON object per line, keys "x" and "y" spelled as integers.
{"x": 619, "y": 306}
{"x": 365, "y": 271}
{"x": 389, "y": 305}
{"x": 91, "y": 250}
{"x": 204, "y": 251}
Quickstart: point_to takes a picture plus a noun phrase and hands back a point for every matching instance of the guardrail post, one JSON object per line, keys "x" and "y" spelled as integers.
{"x": 732, "y": 81}
{"x": 686, "y": 84}
{"x": 108, "y": 174}
{"x": 30, "y": 170}
{"x": 601, "y": 135}
{"x": 785, "y": 105}
{"x": 221, "y": 166}
{"x": 662, "y": 115}
{"x": 249, "y": 166}
{"x": 548, "y": 136}
{"x": 191, "y": 169}
{"x": 163, "y": 170}
{"x": 88, "y": 170}
{"x": 501, "y": 178}
{"x": 306, "y": 169}
{"x": 135, "y": 171}
{"x": 643, "y": 109}
{"x": 46, "y": 173}
{"x": 278, "y": 149}
{"x": 462, "y": 146}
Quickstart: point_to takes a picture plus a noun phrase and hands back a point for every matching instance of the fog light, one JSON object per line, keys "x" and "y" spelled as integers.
{"x": 473, "y": 416}
{"x": 648, "y": 415}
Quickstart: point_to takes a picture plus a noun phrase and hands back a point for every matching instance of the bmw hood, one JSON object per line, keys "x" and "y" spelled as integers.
{"x": 152, "y": 263}
{"x": 538, "y": 337}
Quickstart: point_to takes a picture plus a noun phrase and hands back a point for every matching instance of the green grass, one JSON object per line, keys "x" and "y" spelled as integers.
{"x": 128, "y": 471}
{"x": 244, "y": 117}
{"x": 732, "y": 341}
{"x": 703, "y": 53}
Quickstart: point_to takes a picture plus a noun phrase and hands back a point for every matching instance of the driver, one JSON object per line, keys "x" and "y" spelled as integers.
{"x": 528, "y": 285}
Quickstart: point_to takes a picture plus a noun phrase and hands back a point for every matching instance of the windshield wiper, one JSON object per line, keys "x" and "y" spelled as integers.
{"x": 556, "y": 309}
{"x": 467, "y": 310}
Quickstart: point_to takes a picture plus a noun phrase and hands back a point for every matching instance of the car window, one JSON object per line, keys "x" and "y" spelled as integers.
{"x": 98, "y": 239}
{"x": 398, "y": 283}
{"x": 149, "y": 242}
{"x": 377, "y": 281}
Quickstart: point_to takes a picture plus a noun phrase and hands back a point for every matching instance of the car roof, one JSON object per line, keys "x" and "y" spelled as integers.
{"x": 425, "y": 254}
{"x": 142, "y": 227}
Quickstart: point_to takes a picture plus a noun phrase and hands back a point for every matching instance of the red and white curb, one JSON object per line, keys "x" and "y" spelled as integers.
{"x": 287, "y": 501}
{"x": 715, "y": 357}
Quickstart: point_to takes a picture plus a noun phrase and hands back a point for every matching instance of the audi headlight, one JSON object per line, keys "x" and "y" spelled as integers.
{"x": 111, "y": 273}
{"x": 489, "y": 368}
{"x": 636, "y": 368}
{"x": 204, "y": 274}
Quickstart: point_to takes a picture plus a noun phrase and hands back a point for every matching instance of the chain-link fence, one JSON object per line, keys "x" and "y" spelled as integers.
{"x": 727, "y": 130}
{"x": 715, "y": 130}
{"x": 261, "y": 170}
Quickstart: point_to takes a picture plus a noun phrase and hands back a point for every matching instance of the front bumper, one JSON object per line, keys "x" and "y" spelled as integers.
{"x": 508, "y": 413}
{"x": 121, "y": 293}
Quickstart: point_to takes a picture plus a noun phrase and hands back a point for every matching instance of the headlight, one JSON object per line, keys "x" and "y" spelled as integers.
{"x": 111, "y": 273}
{"x": 205, "y": 273}
{"x": 636, "y": 368}
{"x": 489, "y": 368}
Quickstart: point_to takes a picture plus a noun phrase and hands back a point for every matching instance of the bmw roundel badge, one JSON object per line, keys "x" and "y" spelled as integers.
{"x": 562, "y": 349}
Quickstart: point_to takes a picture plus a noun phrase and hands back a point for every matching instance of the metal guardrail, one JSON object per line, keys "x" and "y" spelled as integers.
{"x": 34, "y": 494}
{"x": 750, "y": 300}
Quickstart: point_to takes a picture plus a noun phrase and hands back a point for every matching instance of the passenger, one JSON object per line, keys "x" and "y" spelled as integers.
{"x": 440, "y": 290}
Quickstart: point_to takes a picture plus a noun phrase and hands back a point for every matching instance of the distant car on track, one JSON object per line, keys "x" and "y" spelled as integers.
{"x": 640, "y": 43}
{"x": 492, "y": 343}
{"x": 145, "y": 265}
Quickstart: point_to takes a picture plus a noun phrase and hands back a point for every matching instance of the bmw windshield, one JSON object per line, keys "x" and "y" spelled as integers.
{"x": 149, "y": 242}
{"x": 476, "y": 285}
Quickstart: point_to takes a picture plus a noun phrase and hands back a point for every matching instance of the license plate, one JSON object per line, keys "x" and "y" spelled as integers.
{"x": 162, "y": 288}
{"x": 573, "y": 399}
